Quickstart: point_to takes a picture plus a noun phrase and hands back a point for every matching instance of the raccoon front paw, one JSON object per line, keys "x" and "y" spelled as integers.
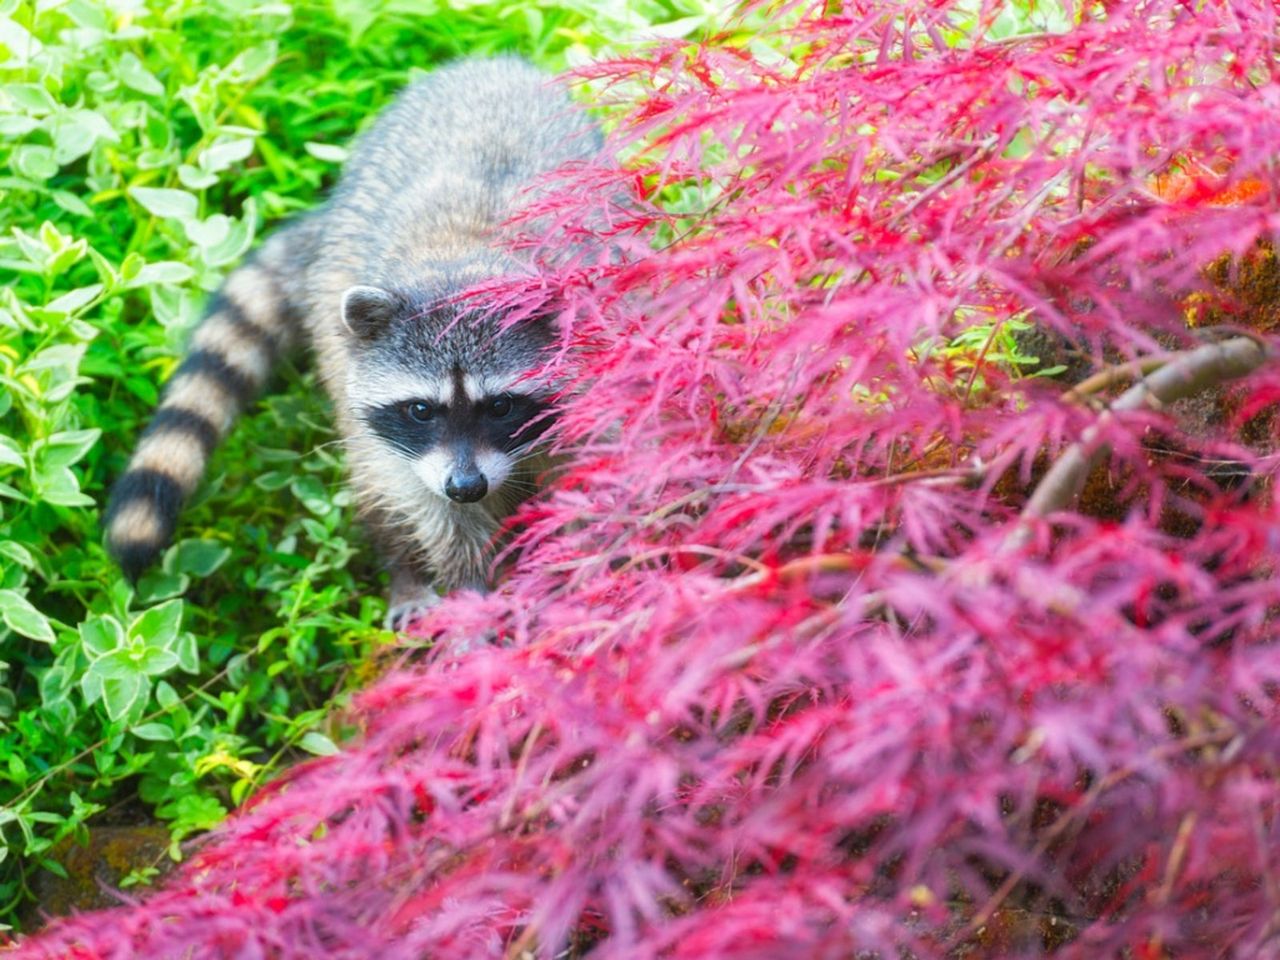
{"x": 402, "y": 614}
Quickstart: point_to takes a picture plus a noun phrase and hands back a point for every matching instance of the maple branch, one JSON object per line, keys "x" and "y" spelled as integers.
{"x": 1110, "y": 377}
{"x": 1182, "y": 375}
{"x": 1072, "y": 815}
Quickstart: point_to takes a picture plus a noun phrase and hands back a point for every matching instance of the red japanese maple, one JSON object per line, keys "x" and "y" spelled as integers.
{"x": 813, "y": 651}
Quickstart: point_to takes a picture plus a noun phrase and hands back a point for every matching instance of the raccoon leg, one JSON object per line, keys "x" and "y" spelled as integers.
{"x": 412, "y": 592}
{"x": 247, "y": 325}
{"x": 410, "y": 599}
{"x": 413, "y": 589}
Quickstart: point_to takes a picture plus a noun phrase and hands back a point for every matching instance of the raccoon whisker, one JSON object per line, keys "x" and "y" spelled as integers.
{"x": 339, "y": 442}
{"x": 523, "y": 486}
{"x": 525, "y": 449}
{"x": 408, "y": 452}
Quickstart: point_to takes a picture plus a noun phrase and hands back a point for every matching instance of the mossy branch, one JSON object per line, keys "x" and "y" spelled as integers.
{"x": 1182, "y": 375}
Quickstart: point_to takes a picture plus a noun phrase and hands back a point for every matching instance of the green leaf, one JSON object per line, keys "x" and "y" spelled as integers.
{"x": 59, "y": 485}
{"x": 199, "y": 558}
{"x": 194, "y": 812}
{"x": 71, "y": 203}
{"x": 101, "y": 635}
{"x": 193, "y": 178}
{"x": 74, "y": 132}
{"x": 62, "y": 715}
{"x": 156, "y": 662}
{"x": 17, "y": 553}
{"x": 675, "y": 29}
{"x": 31, "y": 248}
{"x": 234, "y": 244}
{"x": 272, "y": 480}
{"x": 62, "y": 357}
{"x": 252, "y": 63}
{"x": 313, "y": 494}
{"x": 164, "y": 202}
{"x": 220, "y": 156}
{"x": 318, "y": 744}
{"x": 157, "y": 586}
{"x": 21, "y": 617}
{"x": 158, "y": 627}
{"x": 163, "y": 271}
{"x": 188, "y": 653}
{"x": 152, "y": 731}
{"x": 121, "y": 694}
{"x": 29, "y": 97}
{"x": 74, "y": 300}
{"x": 131, "y": 266}
{"x": 54, "y": 867}
{"x": 209, "y": 232}
{"x": 66, "y": 447}
{"x": 53, "y": 239}
{"x": 137, "y": 77}
{"x": 86, "y": 14}
{"x": 91, "y": 687}
{"x": 144, "y": 390}
{"x": 166, "y": 697}
{"x": 22, "y": 46}
{"x": 33, "y": 161}
{"x": 327, "y": 152}
{"x": 10, "y": 453}
{"x": 117, "y": 664}
{"x": 65, "y": 257}
{"x": 15, "y": 125}
{"x": 54, "y": 685}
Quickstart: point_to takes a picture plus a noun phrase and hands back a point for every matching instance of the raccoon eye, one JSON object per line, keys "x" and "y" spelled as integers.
{"x": 499, "y": 406}
{"x": 419, "y": 410}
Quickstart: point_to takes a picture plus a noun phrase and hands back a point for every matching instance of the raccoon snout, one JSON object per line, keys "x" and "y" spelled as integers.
{"x": 466, "y": 487}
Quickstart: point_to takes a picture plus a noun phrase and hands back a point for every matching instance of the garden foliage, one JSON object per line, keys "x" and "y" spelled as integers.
{"x": 786, "y": 667}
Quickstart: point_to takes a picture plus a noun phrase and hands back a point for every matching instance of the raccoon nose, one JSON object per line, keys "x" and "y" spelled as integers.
{"x": 466, "y": 487}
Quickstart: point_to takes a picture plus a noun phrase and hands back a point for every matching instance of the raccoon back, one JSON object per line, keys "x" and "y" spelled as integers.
{"x": 451, "y": 159}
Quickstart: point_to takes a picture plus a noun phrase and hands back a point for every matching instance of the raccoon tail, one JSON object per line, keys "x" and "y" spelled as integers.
{"x": 248, "y": 324}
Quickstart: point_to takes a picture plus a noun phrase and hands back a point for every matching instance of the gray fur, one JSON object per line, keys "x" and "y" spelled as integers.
{"x": 413, "y": 222}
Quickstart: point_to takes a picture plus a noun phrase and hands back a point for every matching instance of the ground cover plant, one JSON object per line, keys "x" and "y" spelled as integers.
{"x": 911, "y": 589}
{"x": 144, "y": 147}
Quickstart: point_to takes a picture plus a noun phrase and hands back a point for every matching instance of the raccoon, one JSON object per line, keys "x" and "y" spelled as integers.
{"x": 440, "y": 408}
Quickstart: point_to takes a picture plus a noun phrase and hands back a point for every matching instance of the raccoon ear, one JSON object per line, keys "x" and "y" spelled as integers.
{"x": 368, "y": 311}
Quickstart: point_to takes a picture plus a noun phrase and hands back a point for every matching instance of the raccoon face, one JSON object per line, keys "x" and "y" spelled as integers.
{"x": 461, "y": 439}
{"x": 451, "y": 399}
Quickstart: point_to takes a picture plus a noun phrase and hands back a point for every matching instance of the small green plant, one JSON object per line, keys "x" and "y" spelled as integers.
{"x": 981, "y": 346}
{"x": 143, "y": 150}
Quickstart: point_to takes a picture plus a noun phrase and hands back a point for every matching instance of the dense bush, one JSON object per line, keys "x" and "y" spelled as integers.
{"x": 814, "y": 651}
{"x": 143, "y": 147}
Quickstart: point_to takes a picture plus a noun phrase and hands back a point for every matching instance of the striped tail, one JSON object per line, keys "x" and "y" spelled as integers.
{"x": 246, "y": 327}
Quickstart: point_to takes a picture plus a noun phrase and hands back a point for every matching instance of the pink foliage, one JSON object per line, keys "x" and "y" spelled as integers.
{"x": 775, "y": 680}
